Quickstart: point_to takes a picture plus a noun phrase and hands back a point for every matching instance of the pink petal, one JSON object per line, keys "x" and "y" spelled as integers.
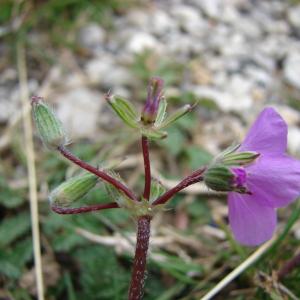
{"x": 275, "y": 181}
{"x": 251, "y": 223}
{"x": 267, "y": 135}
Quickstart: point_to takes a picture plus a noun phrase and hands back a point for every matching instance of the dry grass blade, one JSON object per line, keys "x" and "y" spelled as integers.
{"x": 240, "y": 269}
{"x": 24, "y": 95}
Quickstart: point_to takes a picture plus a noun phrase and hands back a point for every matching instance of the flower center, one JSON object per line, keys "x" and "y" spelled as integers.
{"x": 240, "y": 177}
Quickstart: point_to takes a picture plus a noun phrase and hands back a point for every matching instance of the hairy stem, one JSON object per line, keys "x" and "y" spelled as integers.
{"x": 136, "y": 289}
{"x": 83, "y": 209}
{"x": 116, "y": 183}
{"x": 147, "y": 166}
{"x": 187, "y": 181}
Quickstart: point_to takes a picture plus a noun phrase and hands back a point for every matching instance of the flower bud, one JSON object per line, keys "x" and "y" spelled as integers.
{"x": 219, "y": 178}
{"x": 224, "y": 179}
{"x": 72, "y": 190}
{"x": 154, "y": 96}
{"x": 48, "y": 125}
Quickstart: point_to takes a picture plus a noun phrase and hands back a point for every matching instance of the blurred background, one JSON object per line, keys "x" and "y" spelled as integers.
{"x": 235, "y": 57}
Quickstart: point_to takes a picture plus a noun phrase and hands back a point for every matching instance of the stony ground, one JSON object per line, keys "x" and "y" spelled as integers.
{"x": 234, "y": 57}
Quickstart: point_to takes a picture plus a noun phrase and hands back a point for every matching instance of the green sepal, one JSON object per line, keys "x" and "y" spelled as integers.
{"x": 49, "y": 127}
{"x": 153, "y": 133}
{"x": 240, "y": 158}
{"x": 115, "y": 194}
{"x": 219, "y": 178}
{"x": 125, "y": 110}
{"x": 177, "y": 115}
{"x": 157, "y": 189}
{"x": 142, "y": 208}
{"x": 72, "y": 190}
{"x": 232, "y": 148}
{"x": 161, "y": 114}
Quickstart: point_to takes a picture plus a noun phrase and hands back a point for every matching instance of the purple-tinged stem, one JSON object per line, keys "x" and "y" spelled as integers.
{"x": 147, "y": 167}
{"x": 289, "y": 266}
{"x": 116, "y": 183}
{"x": 187, "y": 181}
{"x": 137, "y": 284}
{"x": 83, "y": 209}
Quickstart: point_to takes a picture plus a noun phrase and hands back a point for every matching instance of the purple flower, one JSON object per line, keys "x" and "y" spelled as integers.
{"x": 155, "y": 94}
{"x": 272, "y": 181}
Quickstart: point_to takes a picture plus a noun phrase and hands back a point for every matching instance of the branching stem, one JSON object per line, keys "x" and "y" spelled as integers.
{"x": 147, "y": 167}
{"x": 83, "y": 209}
{"x": 187, "y": 181}
{"x": 101, "y": 174}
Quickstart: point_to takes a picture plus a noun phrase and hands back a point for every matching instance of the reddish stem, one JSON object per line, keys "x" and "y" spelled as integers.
{"x": 136, "y": 289}
{"x": 189, "y": 180}
{"x": 116, "y": 183}
{"x": 289, "y": 266}
{"x": 147, "y": 167}
{"x": 83, "y": 209}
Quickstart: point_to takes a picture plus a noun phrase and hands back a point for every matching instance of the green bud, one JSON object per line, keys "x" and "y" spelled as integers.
{"x": 48, "y": 125}
{"x": 176, "y": 115}
{"x": 124, "y": 109}
{"x": 72, "y": 190}
{"x": 219, "y": 178}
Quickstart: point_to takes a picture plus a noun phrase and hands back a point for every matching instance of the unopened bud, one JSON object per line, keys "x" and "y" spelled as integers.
{"x": 224, "y": 179}
{"x": 154, "y": 96}
{"x": 72, "y": 190}
{"x": 219, "y": 178}
{"x": 48, "y": 125}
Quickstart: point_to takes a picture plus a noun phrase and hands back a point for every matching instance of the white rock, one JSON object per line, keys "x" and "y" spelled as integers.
{"x": 294, "y": 16}
{"x": 91, "y": 36}
{"x": 290, "y": 115}
{"x": 188, "y": 18}
{"x": 225, "y": 100}
{"x": 248, "y": 27}
{"x": 211, "y": 8}
{"x": 161, "y": 22}
{"x": 182, "y": 44}
{"x": 258, "y": 75}
{"x": 97, "y": 69}
{"x": 79, "y": 110}
{"x": 107, "y": 72}
{"x": 10, "y": 98}
{"x": 292, "y": 69}
{"x": 141, "y": 41}
{"x": 7, "y": 107}
{"x": 234, "y": 45}
{"x": 138, "y": 18}
{"x": 294, "y": 140}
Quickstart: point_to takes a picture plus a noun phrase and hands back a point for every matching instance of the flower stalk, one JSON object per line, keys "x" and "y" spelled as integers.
{"x": 83, "y": 209}
{"x": 136, "y": 289}
{"x": 147, "y": 167}
{"x": 195, "y": 177}
{"x": 101, "y": 174}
